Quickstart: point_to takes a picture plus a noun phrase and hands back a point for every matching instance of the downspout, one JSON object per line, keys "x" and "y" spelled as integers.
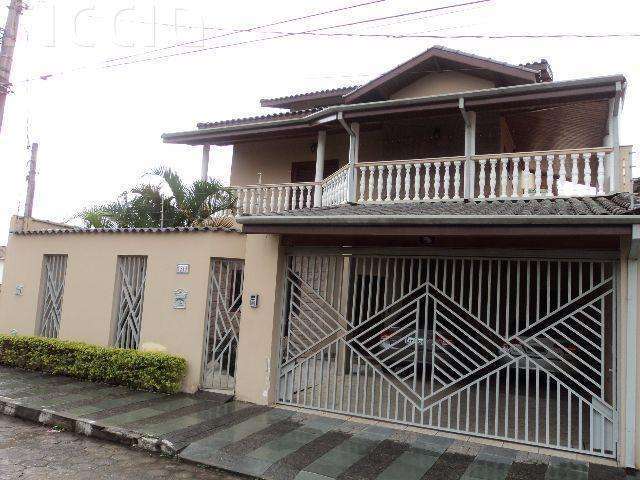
{"x": 353, "y": 146}
{"x": 631, "y": 356}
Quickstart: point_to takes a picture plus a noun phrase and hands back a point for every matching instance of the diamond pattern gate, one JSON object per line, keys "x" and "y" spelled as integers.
{"x": 54, "y": 269}
{"x": 223, "y": 323}
{"x": 132, "y": 277}
{"x": 518, "y": 349}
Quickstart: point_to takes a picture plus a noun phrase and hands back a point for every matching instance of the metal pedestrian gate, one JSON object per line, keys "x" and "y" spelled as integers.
{"x": 517, "y": 349}
{"x": 132, "y": 276}
{"x": 54, "y": 269}
{"x": 223, "y": 323}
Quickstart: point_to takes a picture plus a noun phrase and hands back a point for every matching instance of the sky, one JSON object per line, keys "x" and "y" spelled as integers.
{"x": 82, "y": 91}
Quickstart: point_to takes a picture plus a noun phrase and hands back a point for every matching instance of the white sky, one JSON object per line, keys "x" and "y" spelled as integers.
{"x": 99, "y": 129}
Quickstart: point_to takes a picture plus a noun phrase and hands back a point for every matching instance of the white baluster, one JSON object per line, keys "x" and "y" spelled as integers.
{"x": 238, "y": 199}
{"x": 252, "y": 200}
{"x": 446, "y": 188}
{"x": 300, "y": 195}
{"x": 575, "y": 173}
{"x": 504, "y": 177}
{"x": 456, "y": 179}
{"x": 436, "y": 181}
{"x": 287, "y": 198}
{"x": 407, "y": 182}
{"x": 372, "y": 174}
{"x": 587, "y": 169}
{"x": 265, "y": 199}
{"x": 538, "y": 174}
{"x": 562, "y": 173}
{"x": 363, "y": 176}
{"x": 416, "y": 181}
{"x": 309, "y": 196}
{"x": 516, "y": 177}
{"x": 483, "y": 179}
{"x": 380, "y": 182}
{"x": 389, "y": 169}
{"x": 549, "y": 175}
{"x": 492, "y": 178}
{"x": 273, "y": 199}
{"x": 527, "y": 176}
{"x": 427, "y": 180}
{"x": 600, "y": 156}
{"x": 245, "y": 200}
{"x": 396, "y": 197}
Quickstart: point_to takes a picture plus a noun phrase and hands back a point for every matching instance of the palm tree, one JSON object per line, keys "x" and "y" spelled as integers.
{"x": 146, "y": 206}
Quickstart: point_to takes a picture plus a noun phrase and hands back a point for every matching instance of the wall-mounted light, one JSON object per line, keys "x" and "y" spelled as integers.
{"x": 426, "y": 240}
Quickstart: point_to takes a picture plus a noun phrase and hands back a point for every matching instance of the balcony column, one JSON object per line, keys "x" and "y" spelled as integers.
{"x": 613, "y": 173}
{"x": 204, "y": 170}
{"x": 469, "y": 149}
{"x": 354, "y": 147}
{"x": 320, "y": 155}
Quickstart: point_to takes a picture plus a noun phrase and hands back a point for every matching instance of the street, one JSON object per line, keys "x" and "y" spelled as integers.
{"x": 29, "y": 452}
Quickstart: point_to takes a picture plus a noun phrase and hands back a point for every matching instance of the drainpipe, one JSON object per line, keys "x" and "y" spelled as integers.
{"x": 353, "y": 131}
{"x": 631, "y": 356}
{"x": 469, "y": 148}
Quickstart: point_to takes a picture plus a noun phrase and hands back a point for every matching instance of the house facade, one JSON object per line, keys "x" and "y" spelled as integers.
{"x": 452, "y": 246}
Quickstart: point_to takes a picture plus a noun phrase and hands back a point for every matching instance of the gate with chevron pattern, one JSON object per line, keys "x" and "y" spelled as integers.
{"x": 519, "y": 349}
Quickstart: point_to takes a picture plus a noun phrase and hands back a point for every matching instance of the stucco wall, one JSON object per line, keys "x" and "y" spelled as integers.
{"x": 87, "y": 307}
{"x": 441, "y": 83}
{"x": 273, "y": 158}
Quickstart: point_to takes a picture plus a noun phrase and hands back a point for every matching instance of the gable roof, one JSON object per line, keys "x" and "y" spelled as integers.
{"x": 439, "y": 58}
{"x": 432, "y": 60}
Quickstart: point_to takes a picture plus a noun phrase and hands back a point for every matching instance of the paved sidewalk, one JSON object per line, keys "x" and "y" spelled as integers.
{"x": 270, "y": 443}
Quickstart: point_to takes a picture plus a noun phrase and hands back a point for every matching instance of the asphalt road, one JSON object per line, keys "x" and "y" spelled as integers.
{"x": 29, "y": 452}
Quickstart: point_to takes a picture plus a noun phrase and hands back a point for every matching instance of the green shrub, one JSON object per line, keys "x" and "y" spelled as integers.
{"x": 138, "y": 370}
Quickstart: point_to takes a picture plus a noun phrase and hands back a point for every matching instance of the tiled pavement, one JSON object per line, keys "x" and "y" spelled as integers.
{"x": 272, "y": 443}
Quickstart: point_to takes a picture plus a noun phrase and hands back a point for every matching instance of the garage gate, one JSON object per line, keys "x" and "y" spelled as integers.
{"x": 518, "y": 349}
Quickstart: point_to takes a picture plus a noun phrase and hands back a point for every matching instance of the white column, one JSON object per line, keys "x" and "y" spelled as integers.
{"x": 613, "y": 140}
{"x": 354, "y": 140}
{"x": 204, "y": 172}
{"x": 469, "y": 150}
{"x": 320, "y": 155}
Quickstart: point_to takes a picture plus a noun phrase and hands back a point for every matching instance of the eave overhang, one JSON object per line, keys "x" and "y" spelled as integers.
{"x": 475, "y": 99}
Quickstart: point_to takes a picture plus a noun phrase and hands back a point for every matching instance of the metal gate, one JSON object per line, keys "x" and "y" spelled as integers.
{"x": 132, "y": 276}
{"x": 54, "y": 269}
{"x": 518, "y": 349}
{"x": 223, "y": 323}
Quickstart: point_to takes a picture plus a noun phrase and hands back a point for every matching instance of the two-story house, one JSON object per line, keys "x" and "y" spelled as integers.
{"x": 452, "y": 245}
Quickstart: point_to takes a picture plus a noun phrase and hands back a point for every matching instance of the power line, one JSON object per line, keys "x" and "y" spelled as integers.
{"x": 252, "y": 29}
{"x": 108, "y": 64}
{"x": 289, "y": 34}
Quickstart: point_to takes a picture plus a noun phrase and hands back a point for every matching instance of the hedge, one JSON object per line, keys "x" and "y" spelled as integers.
{"x": 137, "y": 370}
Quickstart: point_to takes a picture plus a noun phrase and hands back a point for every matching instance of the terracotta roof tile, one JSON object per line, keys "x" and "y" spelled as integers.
{"x": 64, "y": 231}
{"x": 618, "y": 204}
{"x": 259, "y": 118}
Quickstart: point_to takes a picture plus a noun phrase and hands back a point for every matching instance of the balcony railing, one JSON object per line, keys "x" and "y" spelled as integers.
{"x": 547, "y": 174}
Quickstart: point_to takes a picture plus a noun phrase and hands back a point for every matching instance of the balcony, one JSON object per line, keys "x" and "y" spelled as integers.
{"x": 504, "y": 176}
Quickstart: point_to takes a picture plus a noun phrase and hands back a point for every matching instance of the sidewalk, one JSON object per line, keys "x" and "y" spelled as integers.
{"x": 270, "y": 443}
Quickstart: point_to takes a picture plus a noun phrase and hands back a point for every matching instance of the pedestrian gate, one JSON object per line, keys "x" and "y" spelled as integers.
{"x": 54, "y": 269}
{"x": 518, "y": 349}
{"x": 132, "y": 277}
{"x": 223, "y": 323}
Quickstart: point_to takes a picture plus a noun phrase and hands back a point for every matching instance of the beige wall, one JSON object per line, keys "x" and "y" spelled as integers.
{"x": 260, "y": 327}
{"x": 274, "y": 157}
{"x": 441, "y": 83}
{"x": 87, "y": 309}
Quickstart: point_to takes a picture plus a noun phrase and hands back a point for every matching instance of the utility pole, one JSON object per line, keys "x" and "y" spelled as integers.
{"x": 31, "y": 182}
{"x": 9, "y": 37}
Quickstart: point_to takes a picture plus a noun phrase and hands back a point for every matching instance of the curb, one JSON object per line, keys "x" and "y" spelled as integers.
{"x": 86, "y": 427}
